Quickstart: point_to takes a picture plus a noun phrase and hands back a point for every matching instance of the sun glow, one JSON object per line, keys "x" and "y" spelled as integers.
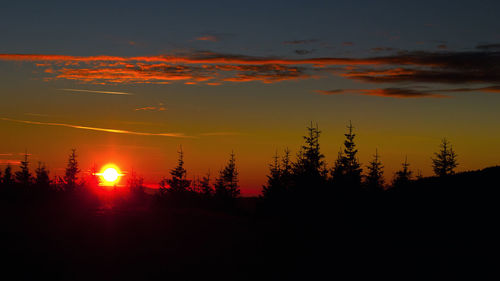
{"x": 110, "y": 175}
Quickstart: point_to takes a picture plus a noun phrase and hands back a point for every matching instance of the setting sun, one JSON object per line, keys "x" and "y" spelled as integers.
{"x": 110, "y": 175}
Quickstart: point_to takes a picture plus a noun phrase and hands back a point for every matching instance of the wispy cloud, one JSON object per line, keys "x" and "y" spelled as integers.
{"x": 160, "y": 107}
{"x": 107, "y": 130}
{"x": 387, "y": 92}
{"x": 211, "y": 38}
{"x": 10, "y": 162}
{"x": 96, "y": 92}
{"x": 303, "y": 41}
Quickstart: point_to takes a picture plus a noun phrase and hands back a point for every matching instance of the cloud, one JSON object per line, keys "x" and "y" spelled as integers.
{"x": 107, "y": 130}
{"x": 382, "y": 49}
{"x": 447, "y": 67}
{"x": 488, "y": 47}
{"x": 10, "y": 162}
{"x": 96, "y": 92}
{"x": 211, "y": 38}
{"x": 304, "y": 41}
{"x": 442, "y": 46}
{"x": 303, "y": 52}
{"x": 387, "y": 92}
{"x": 347, "y": 44}
{"x": 160, "y": 107}
{"x": 491, "y": 89}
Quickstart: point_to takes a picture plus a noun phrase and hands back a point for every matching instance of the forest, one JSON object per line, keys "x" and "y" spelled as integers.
{"x": 309, "y": 220}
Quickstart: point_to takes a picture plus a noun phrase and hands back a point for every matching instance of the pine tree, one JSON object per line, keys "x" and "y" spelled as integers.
{"x": 206, "y": 188}
{"x": 135, "y": 183}
{"x": 7, "y": 179}
{"x": 226, "y": 185}
{"x": 24, "y": 177}
{"x": 274, "y": 187}
{"x": 375, "y": 177}
{"x": 178, "y": 182}
{"x": 403, "y": 176}
{"x": 71, "y": 173}
{"x": 93, "y": 180}
{"x": 308, "y": 170}
{"x": 42, "y": 180}
{"x": 347, "y": 169}
{"x": 445, "y": 160}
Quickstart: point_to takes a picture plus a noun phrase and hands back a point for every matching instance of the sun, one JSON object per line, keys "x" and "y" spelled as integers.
{"x": 110, "y": 175}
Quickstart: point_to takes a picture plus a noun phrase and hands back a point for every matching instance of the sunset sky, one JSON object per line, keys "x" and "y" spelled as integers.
{"x": 128, "y": 82}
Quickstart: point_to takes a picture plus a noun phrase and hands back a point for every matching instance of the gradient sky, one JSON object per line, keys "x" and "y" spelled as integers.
{"x": 128, "y": 82}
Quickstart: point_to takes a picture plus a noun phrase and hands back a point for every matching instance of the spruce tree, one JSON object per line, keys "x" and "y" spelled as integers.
{"x": 274, "y": 187}
{"x": 205, "y": 187}
{"x": 226, "y": 185}
{"x": 403, "y": 176}
{"x": 308, "y": 170}
{"x": 445, "y": 160}
{"x": 42, "y": 180}
{"x": 71, "y": 173}
{"x": 24, "y": 177}
{"x": 7, "y": 179}
{"x": 375, "y": 176}
{"x": 135, "y": 183}
{"x": 347, "y": 169}
{"x": 178, "y": 182}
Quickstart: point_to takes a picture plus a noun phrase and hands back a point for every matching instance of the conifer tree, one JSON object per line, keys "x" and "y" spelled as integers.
{"x": 403, "y": 176}
{"x": 135, "y": 183}
{"x": 375, "y": 176}
{"x": 71, "y": 173}
{"x": 7, "y": 179}
{"x": 445, "y": 160}
{"x": 274, "y": 187}
{"x": 308, "y": 170}
{"x": 347, "y": 169}
{"x": 205, "y": 187}
{"x": 178, "y": 182}
{"x": 226, "y": 185}
{"x": 42, "y": 180}
{"x": 24, "y": 177}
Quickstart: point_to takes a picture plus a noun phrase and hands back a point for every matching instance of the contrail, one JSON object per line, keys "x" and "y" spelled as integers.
{"x": 97, "y": 92}
{"x": 116, "y": 131}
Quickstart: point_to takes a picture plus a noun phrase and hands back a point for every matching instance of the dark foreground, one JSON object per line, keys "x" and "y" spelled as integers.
{"x": 436, "y": 228}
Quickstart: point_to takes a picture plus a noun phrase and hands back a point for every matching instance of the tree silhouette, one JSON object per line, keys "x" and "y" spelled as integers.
{"x": 135, "y": 183}
{"x": 226, "y": 185}
{"x": 375, "y": 179}
{"x": 24, "y": 177}
{"x": 445, "y": 160}
{"x": 309, "y": 171}
{"x": 8, "y": 179}
{"x": 178, "y": 182}
{"x": 42, "y": 180}
{"x": 274, "y": 187}
{"x": 347, "y": 169}
{"x": 403, "y": 176}
{"x": 71, "y": 173}
{"x": 205, "y": 187}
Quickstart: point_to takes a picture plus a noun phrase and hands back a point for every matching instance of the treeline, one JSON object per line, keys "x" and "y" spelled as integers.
{"x": 309, "y": 174}
{"x": 306, "y": 175}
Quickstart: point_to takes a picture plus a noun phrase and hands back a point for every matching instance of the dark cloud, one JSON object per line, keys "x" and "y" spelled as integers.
{"x": 303, "y": 52}
{"x": 305, "y": 41}
{"x": 347, "y": 44}
{"x": 382, "y": 49}
{"x": 442, "y": 46}
{"x": 386, "y": 92}
{"x": 488, "y": 47}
